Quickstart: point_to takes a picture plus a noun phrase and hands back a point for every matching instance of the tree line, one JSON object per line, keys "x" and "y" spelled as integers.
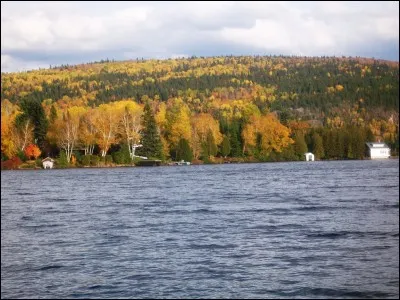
{"x": 202, "y": 109}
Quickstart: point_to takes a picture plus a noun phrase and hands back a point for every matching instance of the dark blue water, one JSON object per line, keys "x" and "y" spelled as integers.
{"x": 277, "y": 230}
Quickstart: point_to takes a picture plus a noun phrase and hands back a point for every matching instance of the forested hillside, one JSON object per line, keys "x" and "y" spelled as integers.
{"x": 251, "y": 108}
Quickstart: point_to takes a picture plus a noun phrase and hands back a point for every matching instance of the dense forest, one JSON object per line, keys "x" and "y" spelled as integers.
{"x": 201, "y": 109}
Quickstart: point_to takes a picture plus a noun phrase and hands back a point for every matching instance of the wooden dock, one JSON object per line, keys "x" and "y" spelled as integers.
{"x": 148, "y": 163}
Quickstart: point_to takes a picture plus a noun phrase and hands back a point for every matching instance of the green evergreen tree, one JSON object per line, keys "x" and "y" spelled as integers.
{"x": 211, "y": 146}
{"x": 318, "y": 147}
{"x": 151, "y": 141}
{"x": 208, "y": 147}
{"x": 347, "y": 143}
{"x": 236, "y": 147}
{"x": 350, "y": 153}
{"x": 258, "y": 143}
{"x": 53, "y": 114}
{"x": 308, "y": 139}
{"x": 395, "y": 151}
{"x": 184, "y": 152}
{"x": 288, "y": 154}
{"x": 122, "y": 156}
{"x": 340, "y": 143}
{"x": 284, "y": 116}
{"x": 300, "y": 146}
{"x": 33, "y": 110}
{"x": 330, "y": 145}
{"x": 235, "y": 138}
{"x": 204, "y": 152}
{"x": 369, "y": 136}
{"x": 62, "y": 161}
{"x": 226, "y": 146}
{"x": 358, "y": 143}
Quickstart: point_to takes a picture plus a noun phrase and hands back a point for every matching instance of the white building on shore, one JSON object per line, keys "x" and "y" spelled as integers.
{"x": 309, "y": 156}
{"x": 378, "y": 150}
{"x": 48, "y": 163}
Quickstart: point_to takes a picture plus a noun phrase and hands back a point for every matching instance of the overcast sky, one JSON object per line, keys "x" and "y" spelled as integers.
{"x": 39, "y": 34}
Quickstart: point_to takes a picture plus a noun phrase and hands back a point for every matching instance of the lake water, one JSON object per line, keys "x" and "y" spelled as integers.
{"x": 273, "y": 230}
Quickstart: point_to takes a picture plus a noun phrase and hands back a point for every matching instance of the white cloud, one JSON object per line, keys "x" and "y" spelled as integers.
{"x": 10, "y": 63}
{"x": 387, "y": 27}
{"x": 31, "y": 31}
{"x": 331, "y": 28}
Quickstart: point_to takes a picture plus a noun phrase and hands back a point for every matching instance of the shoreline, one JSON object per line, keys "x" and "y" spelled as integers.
{"x": 197, "y": 163}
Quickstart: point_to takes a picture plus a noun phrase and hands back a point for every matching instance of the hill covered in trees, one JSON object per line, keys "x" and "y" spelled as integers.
{"x": 256, "y": 108}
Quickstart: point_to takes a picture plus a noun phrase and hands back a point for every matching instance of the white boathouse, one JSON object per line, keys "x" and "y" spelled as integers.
{"x": 48, "y": 163}
{"x": 309, "y": 156}
{"x": 378, "y": 150}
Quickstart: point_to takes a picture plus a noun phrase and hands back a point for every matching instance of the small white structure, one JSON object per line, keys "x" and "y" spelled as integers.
{"x": 134, "y": 146}
{"x": 378, "y": 150}
{"x": 48, "y": 163}
{"x": 309, "y": 156}
{"x": 183, "y": 163}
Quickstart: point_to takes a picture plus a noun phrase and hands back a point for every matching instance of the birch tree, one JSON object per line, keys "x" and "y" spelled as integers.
{"x": 68, "y": 128}
{"x": 130, "y": 123}
{"x": 202, "y": 124}
{"x": 87, "y": 132}
{"x": 105, "y": 120}
{"x": 23, "y": 134}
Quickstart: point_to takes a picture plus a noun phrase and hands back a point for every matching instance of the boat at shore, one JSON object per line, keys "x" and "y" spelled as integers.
{"x": 180, "y": 163}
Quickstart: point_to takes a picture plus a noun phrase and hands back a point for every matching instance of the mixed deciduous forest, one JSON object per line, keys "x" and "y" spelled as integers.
{"x": 200, "y": 109}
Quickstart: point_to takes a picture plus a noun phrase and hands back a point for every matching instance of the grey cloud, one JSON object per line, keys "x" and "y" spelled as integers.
{"x": 72, "y": 32}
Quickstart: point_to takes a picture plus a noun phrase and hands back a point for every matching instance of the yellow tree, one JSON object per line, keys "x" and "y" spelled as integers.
{"x": 376, "y": 128}
{"x": 105, "y": 120}
{"x": 87, "y": 131}
{"x": 249, "y": 135}
{"x": 201, "y": 125}
{"x": 9, "y": 112}
{"x": 54, "y": 114}
{"x": 161, "y": 117}
{"x": 161, "y": 120}
{"x": 67, "y": 129}
{"x": 335, "y": 122}
{"x": 389, "y": 131}
{"x": 178, "y": 118}
{"x": 130, "y": 124}
{"x": 267, "y": 133}
{"x": 238, "y": 109}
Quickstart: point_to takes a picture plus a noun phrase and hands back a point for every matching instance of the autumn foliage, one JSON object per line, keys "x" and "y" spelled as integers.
{"x": 11, "y": 164}
{"x": 232, "y": 107}
{"x": 266, "y": 134}
{"x": 32, "y": 151}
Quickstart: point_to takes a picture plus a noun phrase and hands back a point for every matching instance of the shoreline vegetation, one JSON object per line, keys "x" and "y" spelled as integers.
{"x": 32, "y": 165}
{"x": 200, "y": 109}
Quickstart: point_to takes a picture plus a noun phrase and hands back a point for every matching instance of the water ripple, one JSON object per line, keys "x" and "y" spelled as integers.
{"x": 278, "y": 230}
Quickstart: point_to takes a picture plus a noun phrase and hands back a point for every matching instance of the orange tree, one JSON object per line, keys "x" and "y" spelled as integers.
{"x": 32, "y": 151}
